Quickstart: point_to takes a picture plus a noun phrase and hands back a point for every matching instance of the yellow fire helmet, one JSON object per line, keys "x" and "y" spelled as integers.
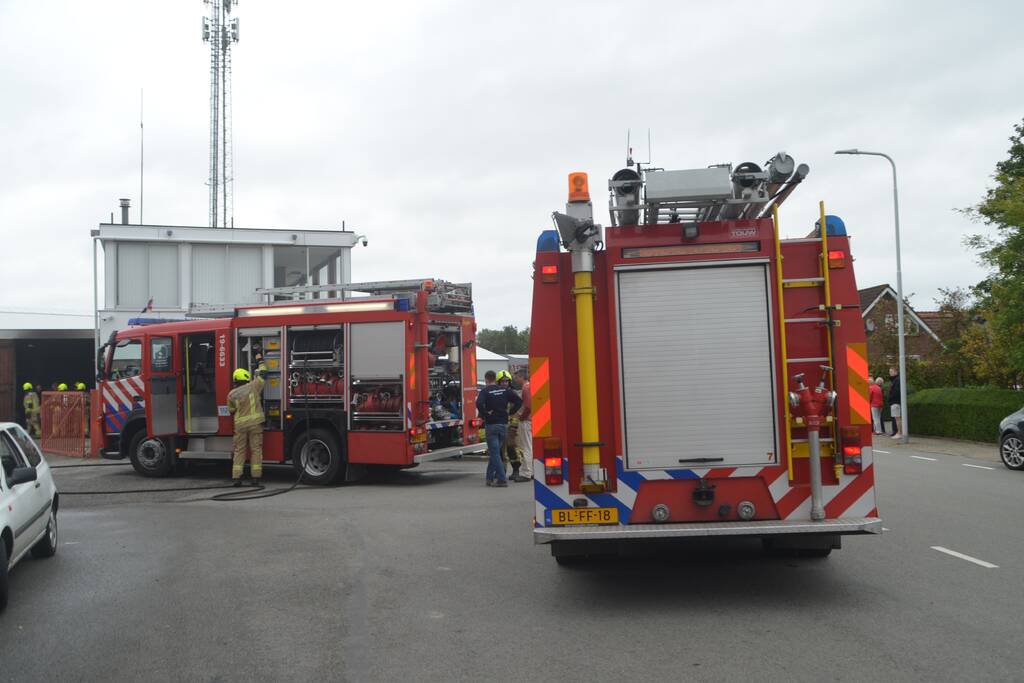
{"x": 79, "y": 386}
{"x": 27, "y": 386}
{"x": 62, "y": 387}
{"x": 241, "y": 375}
{"x": 504, "y": 375}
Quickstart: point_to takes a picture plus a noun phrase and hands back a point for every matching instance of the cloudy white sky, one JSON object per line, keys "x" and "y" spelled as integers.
{"x": 444, "y": 130}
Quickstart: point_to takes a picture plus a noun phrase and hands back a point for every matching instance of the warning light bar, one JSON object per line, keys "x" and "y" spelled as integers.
{"x": 348, "y": 307}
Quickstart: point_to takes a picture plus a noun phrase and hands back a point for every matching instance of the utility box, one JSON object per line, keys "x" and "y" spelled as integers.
{"x": 689, "y": 185}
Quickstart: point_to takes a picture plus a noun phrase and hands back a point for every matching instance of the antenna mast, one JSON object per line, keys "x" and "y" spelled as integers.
{"x": 221, "y": 32}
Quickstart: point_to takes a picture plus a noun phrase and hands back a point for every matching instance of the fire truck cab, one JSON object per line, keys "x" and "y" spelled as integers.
{"x": 692, "y": 374}
{"x": 385, "y": 379}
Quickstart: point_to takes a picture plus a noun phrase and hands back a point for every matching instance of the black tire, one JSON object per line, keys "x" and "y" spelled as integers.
{"x": 324, "y": 463}
{"x": 47, "y": 545}
{"x": 3, "y": 574}
{"x": 150, "y": 456}
{"x": 570, "y": 560}
{"x": 787, "y": 550}
{"x": 1011, "y": 451}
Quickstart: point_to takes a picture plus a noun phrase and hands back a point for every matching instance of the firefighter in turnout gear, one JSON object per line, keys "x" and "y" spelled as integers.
{"x": 31, "y": 404}
{"x": 245, "y": 403}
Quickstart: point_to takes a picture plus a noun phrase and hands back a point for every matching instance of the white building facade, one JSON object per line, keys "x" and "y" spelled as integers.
{"x": 187, "y": 270}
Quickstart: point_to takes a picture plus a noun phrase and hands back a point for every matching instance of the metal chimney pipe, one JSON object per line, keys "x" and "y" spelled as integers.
{"x": 125, "y": 203}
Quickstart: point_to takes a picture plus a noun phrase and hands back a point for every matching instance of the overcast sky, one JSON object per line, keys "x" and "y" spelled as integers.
{"x": 444, "y": 131}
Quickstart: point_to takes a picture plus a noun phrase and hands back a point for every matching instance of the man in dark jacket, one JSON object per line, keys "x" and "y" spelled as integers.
{"x": 894, "y": 404}
{"x": 494, "y": 403}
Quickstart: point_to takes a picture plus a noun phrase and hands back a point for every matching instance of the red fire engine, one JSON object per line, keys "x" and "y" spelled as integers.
{"x": 662, "y": 354}
{"x": 385, "y": 379}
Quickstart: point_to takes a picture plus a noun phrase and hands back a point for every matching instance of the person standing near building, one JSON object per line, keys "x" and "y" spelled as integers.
{"x": 80, "y": 386}
{"x": 894, "y": 403}
{"x": 493, "y": 405}
{"x": 525, "y": 426}
{"x": 31, "y": 405}
{"x": 877, "y": 403}
{"x": 245, "y": 403}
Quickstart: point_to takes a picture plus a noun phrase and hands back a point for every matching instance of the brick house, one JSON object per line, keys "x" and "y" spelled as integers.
{"x": 878, "y": 309}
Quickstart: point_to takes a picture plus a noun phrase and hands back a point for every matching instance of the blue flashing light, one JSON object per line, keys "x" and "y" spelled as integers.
{"x": 401, "y": 304}
{"x": 138, "y": 322}
{"x": 836, "y": 226}
{"x": 548, "y": 241}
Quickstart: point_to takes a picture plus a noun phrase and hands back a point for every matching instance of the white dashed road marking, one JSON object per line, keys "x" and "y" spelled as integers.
{"x": 980, "y": 563}
{"x": 921, "y": 457}
{"x": 977, "y": 467}
{"x": 878, "y": 451}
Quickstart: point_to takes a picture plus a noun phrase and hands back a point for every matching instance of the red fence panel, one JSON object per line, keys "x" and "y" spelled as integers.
{"x": 63, "y": 421}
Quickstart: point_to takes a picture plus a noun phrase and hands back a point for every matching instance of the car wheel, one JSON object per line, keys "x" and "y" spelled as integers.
{"x": 317, "y": 457}
{"x": 3, "y": 574}
{"x": 1011, "y": 451}
{"x": 150, "y": 456}
{"x": 47, "y": 545}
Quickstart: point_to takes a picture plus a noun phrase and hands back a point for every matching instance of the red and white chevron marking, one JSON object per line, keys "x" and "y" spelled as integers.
{"x": 120, "y": 394}
{"x": 853, "y": 496}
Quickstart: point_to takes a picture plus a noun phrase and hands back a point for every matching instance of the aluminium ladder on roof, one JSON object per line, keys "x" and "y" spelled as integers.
{"x": 442, "y": 296}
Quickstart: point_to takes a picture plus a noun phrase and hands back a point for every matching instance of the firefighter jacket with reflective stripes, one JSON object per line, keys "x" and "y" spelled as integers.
{"x": 246, "y": 402}
{"x": 31, "y": 403}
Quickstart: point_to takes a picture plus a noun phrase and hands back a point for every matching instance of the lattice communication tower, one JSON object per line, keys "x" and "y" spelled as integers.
{"x": 220, "y": 30}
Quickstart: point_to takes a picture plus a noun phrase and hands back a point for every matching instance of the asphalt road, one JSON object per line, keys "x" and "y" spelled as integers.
{"x": 430, "y": 576}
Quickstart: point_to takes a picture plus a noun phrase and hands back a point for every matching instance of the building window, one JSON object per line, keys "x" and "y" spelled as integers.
{"x": 302, "y": 266}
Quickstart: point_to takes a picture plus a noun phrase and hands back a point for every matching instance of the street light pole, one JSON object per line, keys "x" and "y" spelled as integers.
{"x": 905, "y": 431}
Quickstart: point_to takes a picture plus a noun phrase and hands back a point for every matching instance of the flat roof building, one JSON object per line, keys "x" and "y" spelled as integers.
{"x": 172, "y": 271}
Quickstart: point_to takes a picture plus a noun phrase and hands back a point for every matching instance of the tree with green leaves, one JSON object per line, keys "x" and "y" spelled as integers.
{"x": 1001, "y": 294}
{"x": 508, "y": 339}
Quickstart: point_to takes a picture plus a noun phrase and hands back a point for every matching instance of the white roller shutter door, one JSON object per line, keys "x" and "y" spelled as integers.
{"x": 696, "y": 362}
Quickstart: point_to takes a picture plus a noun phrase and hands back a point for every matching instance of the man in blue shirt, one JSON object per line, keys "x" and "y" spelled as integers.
{"x": 494, "y": 404}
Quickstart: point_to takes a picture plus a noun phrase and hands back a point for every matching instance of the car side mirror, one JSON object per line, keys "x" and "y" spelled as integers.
{"x": 22, "y": 475}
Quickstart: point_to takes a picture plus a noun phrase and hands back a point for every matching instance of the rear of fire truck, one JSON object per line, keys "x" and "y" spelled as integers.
{"x": 693, "y": 374}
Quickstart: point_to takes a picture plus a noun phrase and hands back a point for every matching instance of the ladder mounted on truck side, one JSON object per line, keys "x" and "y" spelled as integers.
{"x": 442, "y": 296}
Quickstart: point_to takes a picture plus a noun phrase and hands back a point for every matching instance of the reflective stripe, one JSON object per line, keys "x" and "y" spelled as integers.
{"x": 857, "y": 379}
{"x": 540, "y": 396}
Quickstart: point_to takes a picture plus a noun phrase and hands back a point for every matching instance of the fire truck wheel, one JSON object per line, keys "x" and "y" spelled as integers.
{"x": 150, "y": 456}
{"x": 318, "y": 457}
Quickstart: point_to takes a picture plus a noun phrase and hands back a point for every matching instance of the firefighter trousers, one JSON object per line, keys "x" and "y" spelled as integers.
{"x": 251, "y": 436}
{"x": 33, "y": 425}
{"x": 526, "y": 447}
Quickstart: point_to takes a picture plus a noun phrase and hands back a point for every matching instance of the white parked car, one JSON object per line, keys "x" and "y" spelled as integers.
{"x": 28, "y": 502}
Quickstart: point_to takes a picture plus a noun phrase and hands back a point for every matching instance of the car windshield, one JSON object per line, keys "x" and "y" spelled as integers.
{"x": 28, "y": 446}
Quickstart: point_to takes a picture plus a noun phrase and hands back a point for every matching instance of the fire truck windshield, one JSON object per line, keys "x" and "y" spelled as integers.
{"x": 127, "y": 359}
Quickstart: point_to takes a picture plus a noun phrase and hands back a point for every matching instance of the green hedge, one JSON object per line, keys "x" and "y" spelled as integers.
{"x": 971, "y": 413}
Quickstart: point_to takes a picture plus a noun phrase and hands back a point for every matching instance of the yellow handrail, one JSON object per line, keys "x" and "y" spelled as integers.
{"x": 188, "y": 391}
{"x": 782, "y": 340}
{"x": 828, "y": 289}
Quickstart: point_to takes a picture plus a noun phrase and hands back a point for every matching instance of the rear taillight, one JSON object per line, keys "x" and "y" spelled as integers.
{"x": 852, "y": 461}
{"x": 476, "y": 422}
{"x": 417, "y": 435}
{"x": 553, "y": 471}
